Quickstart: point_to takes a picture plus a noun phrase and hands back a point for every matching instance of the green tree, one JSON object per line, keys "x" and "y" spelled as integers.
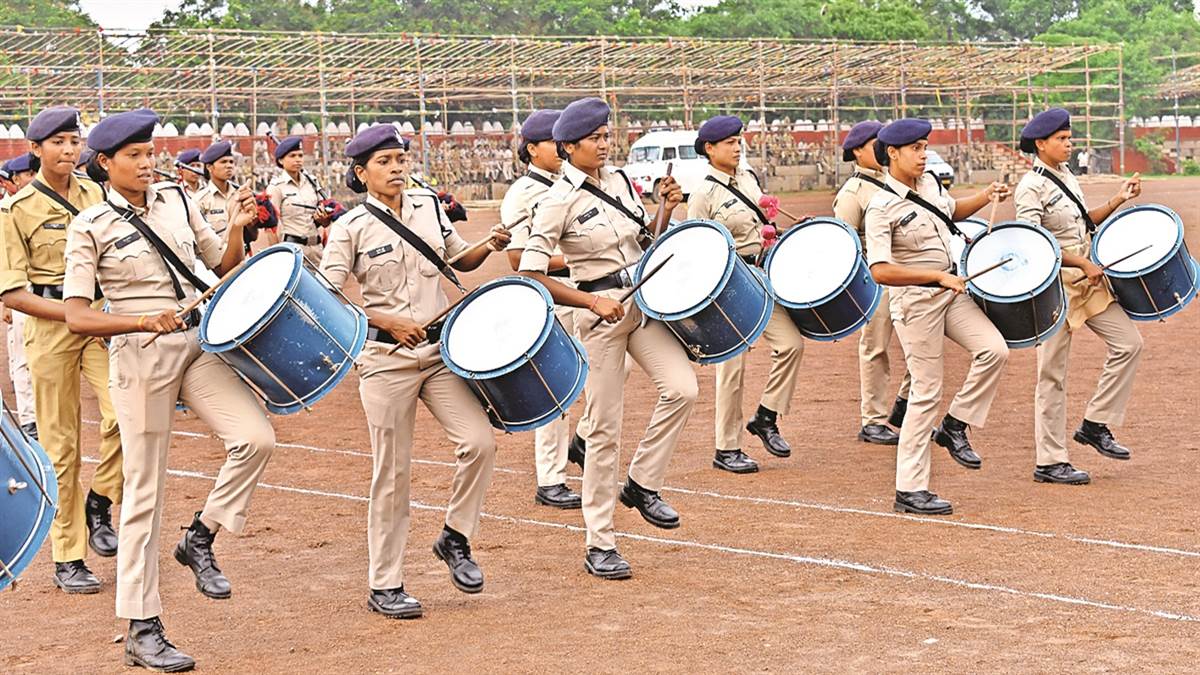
{"x": 812, "y": 19}
{"x": 44, "y": 14}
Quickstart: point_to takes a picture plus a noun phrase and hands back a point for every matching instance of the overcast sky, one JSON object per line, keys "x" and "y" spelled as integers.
{"x": 138, "y": 14}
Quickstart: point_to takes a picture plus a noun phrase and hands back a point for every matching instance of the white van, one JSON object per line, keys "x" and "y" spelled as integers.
{"x": 648, "y": 157}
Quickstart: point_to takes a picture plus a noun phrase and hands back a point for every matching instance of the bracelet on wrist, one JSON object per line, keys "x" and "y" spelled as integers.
{"x": 592, "y": 307}
{"x": 141, "y": 324}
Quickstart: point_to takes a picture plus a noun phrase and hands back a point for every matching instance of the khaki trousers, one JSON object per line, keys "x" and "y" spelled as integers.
{"x": 662, "y": 358}
{"x": 18, "y": 369}
{"x": 924, "y": 318}
{"x": 390, "y": 387}
{"x": 787, "y": 349}
{"x": 875, "y": 368}
{"x": 1107, "y": 405}
{"x": 146, "y": 383}
{"x": 57, "y": 357}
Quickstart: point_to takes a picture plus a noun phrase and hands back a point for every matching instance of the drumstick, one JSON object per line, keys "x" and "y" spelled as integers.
{"x": 196, "y": 303}
{"x": 483, "y": 242}
{"x": 198, "y": 172}
{"x": 1118, "y": 261}
{"x": 980, "y": 273}
{"x": 440, "y": 315}
{"x": 992, "y": 213}
{"x": 646, "y": 277}
{"x": 662, "y": 216}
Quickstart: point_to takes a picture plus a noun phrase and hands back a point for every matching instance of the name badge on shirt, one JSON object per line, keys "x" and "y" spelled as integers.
{"x": 216, "y": 212}
{"x": 907, "y": 219}
{"x": 125, "y": 241}
{"x": 54, "y": 226}
{"x": 729, "y": 203}
{"x": 376, "y": 252}
{"x": 1056, "y": 199}
{"x": 588, "y": 215}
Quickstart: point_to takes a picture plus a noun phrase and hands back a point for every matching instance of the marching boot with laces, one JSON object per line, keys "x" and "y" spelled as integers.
{"x": 195, "y": 551}
{"x": 765, "y": 426}
{"x": 453, "y": 549}
{"x": 147, "y": 646}
{"x": 952, "y": 435}
{"x": 98, "y": 513}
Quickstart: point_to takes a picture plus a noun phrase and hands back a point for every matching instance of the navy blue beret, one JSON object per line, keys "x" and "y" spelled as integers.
{"x": 860, "y": 134}
{"x": 373, "y": 138}
{"x": 899, "y": 133}
{"x": 216, "y": 151}
{"x": 580, "y": 118}
{"x": 717, "y": 129}
{"x": 188, "y": 156}
{"x": 289, "y": 144}
{"x": 1044, "y": 125}
{"x": 116, "y": 131}
{"x": 539, "y": 126}
{"x": 22, "y": 162}
{"x": 85, "y": 157}
{"x": 52, "y": 121}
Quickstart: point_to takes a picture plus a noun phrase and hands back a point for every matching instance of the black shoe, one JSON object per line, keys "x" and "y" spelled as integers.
{"x": 30, "y": 429}
{"x": 899, "y": 409}
{"x": 606, "y": 564}
{"x": 952, "y": 435}
{"x": 656, "y": 512}
{"x": 195, "y": 551}
{"x": 1099, "y": 437}
{"x": 559, "y": 496}
{"x": 394, "y": 603}
{"x": 73, "y": 577}
{"x": 453, "y": 549}
{"x": 764, "y": 425}
{"x": 147, "y": 646}
{"x": 734, "y": 461}
{"x": 98, "y": 512}
{"x": 922, "y": 502}
{"x": 1061, "y": 473}
{"x": 577, "y": 450}
{"x": 879, "y": 434}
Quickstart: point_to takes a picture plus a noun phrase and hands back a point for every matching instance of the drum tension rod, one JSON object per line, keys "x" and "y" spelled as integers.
{"x": 4, "y": 568}
{"x": 495, "y": 412}
{"x": 1158, "y": 312}
{"x": 20, "y": 458}
{"x": 273, "y": 376}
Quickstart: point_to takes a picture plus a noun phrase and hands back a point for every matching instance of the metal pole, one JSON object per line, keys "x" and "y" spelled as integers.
{"x": 512, "y": 79}
{"x": 253, "y": 123}
{"x": 835, "y": 122}
{"x": 324, "y": 111}
{"x": 212, "y": 85}
{"x": 762, "y": 113}
{"x": 1178, "y": 143}
{"x": 421, "y": 108}
{"x": 1087, "y": 92}
{"x": 1121, "y": 101}
{"x": 100, "y": 76}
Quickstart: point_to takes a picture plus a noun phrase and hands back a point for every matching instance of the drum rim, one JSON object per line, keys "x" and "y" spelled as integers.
{"x": 1048, "y": 333}
{"x": 572, "y": 397}
{"x": 1180, "y": 244}
{"x": 40, "y": 530}
{"x": 269, "y": 315}
{"x": 547, "y": 327}
{"x": 842, "y": 286}
{"x": 712, "y": 295}
{"x": 1014, "y": 299}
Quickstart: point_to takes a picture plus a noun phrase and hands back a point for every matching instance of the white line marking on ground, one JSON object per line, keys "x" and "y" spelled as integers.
{"x": 755, "y": 553}
{"x": 815, "y": 506}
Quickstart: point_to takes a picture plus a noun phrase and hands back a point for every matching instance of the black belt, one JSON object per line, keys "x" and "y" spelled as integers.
{"x": 377, "y": 335}
{"x": 55, "y": 292}
{"x": 607, "y": 282}
{"x": 297, "y": 239}
{"x": 191, "y": 319}
{"x": 564, "y": 272}
{"x": 750, "y": 260}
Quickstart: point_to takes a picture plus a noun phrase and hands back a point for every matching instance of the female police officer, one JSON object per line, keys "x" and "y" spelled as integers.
{"x": 595, "y": 218}
{"x": 908, "y": 226}
{"x": 141, "y": 245}
{"x": 393, "y": 244}
{"x": 294, "y": 195}
{"x": 1051, "y": 197}
{"x": 730, "y": 196}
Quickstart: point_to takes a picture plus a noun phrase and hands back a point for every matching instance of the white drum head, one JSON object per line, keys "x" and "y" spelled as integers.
{"x": 972, "y": 229}
{"x": 496, "y": 327}
{"x": 1033, "y": 261}
{"x": 1133, "y": 230}
{"x": 812, "y": 262}
{"x": 701, "y": 259}
{"x": 251, "y": 294}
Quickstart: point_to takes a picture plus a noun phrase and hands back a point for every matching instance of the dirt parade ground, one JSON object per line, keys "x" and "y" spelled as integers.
{"x": 802, "y": 567}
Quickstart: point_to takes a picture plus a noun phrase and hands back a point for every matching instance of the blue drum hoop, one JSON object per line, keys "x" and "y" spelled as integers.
{"x": 867, "y": 312}
{"x": 45, "y": 482}
{"x": 1180, "y": 243}
{"x": 526, "y": 359}
{"x": 745, "y": 340}
{"x": 337, "y": 374}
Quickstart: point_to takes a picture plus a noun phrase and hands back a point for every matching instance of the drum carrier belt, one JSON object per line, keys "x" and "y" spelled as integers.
{"x": 297, "y": 239}
{"x": 762, "y": 217}
{"x": 416, "y": 242}
{"x": 1083, "y": 212}
{"x": 616, "y": 204}
{"x": 168, "y": 255}
{"x": 916, "y": 199}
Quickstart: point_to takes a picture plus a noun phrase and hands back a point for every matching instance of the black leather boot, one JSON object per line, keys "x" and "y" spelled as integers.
{"x": 98, "y": 513}
{"x": 764, "y": 425}
{"x": 734, "y": 461}
{"x": 147, "y": 646}
{"x": 606, "y": 564}
{"x": 648, "y": 503}
{"x": 899, "y": 410}
{"x": 577, "y": 450}
{"x": 74, "y": 577}
{"x": 453, "y": 549}
{"x": 558, "y": 496}
{"x": 1062, "y": 473}
{"x": 1100, "y": 437}
{"x": 952, "y": 435}
{"x": 922, "y": 502}
{"x": 394, "y": 603}
{"x": 195, "y": 551}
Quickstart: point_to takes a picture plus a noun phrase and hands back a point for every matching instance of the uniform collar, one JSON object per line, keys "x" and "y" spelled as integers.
{"x": 873, "y": 173}
{"x": 1059, "y": 170}
{"x": 118, "y": 200}
{"x": 407, "y": 207}
{"x": 720, "y": 175}
{"x": 211, "y": 186}
{"x": 898, "y": 187}
{"x": 542, "y": 172}
{"x": 74, "y": 188}
{"x": 285, "y": 177}
{"x": 577, "y": 177}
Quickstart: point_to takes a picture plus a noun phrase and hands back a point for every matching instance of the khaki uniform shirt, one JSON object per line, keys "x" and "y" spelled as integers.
{"x": 33, "y": 228}
{"x": 289, "y": 194}
{"x": 516, "y": 211}
{"x": 1039, "y": 201}
{"x": 103, "y": 247}
{"x": 850, "y": 204}
{"x": 714, "y": 202}
{"x": 214, "y": 206}
{"x": 595, "y": 239}
{"x": 904, "y": 233}
{"x": 394, "y": 276}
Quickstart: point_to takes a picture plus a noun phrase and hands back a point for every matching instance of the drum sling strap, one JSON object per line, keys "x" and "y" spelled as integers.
{"x": 616, "y": 204}
{"x": 1087, "y": 219}
{"x": 916, "y": 199}
{"x": 762, "y": 218}
{"x": 54, "y": 197}
{"x": 416, "y": 242}
{"x": 870, "y": 179}
{"x": 168, "y": 255}
{"x": 540, "y": 178}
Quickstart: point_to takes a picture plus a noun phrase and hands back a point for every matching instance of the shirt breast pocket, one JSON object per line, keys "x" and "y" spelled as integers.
{"x": 383, "y": 268}
{"x": 48, "y": 244}
{"x": 135, "y": 260}
{"x": 185, "y": 245}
